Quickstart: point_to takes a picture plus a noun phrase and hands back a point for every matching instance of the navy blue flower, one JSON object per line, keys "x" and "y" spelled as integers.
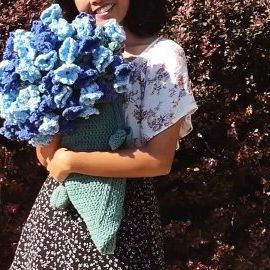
{"x": 72, "y": 113}
{"x": 87, "y": 45}
{"x": 45, "y": 41}
{"x": 86, "y": 77}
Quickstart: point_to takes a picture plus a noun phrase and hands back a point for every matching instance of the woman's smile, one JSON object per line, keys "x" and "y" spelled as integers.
{"x": 103, "y": 13}
{"x": 104, "y": 10}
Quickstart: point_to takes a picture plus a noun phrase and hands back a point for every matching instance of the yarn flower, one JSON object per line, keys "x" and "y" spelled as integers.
{"x": 67, "y": 74}
{"x": 68, "y": 51}
{"x": 46, "y": 61}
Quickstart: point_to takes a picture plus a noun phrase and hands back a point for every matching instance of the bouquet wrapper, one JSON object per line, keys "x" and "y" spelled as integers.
{"x": 99, "y": 201}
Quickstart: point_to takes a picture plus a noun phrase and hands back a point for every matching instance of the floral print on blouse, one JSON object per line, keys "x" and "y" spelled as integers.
{"x": 159, "y": 92}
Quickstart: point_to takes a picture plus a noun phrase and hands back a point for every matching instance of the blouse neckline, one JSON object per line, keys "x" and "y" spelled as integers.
{"x": 140, "y": 55}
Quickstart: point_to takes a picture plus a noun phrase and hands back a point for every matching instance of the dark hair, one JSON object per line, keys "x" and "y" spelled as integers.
{"x": 144, "y": 17}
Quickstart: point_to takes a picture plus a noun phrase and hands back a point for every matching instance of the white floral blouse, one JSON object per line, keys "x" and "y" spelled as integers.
{"x": 159, "y": 92}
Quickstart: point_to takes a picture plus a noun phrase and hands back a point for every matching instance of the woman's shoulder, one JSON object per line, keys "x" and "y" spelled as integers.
{"x": 165, "y": 50}
{"x": 163, "y": 42}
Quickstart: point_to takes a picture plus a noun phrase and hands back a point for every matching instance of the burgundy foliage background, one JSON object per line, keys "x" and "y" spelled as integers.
{"x": 215, "y": 203}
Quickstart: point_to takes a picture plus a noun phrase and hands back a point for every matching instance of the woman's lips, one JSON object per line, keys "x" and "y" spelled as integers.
{"x": 103, "y": 12}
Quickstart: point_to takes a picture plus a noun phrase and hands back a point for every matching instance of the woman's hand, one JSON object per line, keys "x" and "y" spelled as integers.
{"x": 58, "y": 165}
{"x": 45, "y": 152}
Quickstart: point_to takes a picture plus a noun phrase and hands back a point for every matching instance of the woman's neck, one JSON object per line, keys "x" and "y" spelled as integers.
{"x": 134, "y": 44}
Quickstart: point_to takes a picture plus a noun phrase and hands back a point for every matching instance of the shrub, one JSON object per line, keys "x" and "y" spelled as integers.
{"x": 215, "y": 202}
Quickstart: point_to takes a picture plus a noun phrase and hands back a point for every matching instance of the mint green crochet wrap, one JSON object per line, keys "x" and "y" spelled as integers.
{"x": 98, "y": 200}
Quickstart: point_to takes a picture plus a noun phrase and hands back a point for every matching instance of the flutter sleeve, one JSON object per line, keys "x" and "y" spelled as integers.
{"x": 168, "y": 96}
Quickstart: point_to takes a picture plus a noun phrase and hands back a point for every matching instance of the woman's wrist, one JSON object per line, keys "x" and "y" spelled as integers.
{"x": 69, "y": 161}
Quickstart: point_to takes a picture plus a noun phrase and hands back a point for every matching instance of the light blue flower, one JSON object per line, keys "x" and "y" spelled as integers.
{"x": 54, "y": 12}
{"x": 115, "y": 46}
{"x": 88, "y": 111}
{"x": 84, "y": 25}
{"x": 67, "y": 74}
{"x": 89, "y": 95}
{"x": 6, "y": 99}
{"x": 28, "y": 98}
{"x": 114, "y": 31}
{"x": 60, "y": 99}
{"x": 27, "y": 71}
{"x": 102, "y": 58}
{"x": 50, "y": 125}
{"x": 3, "y": 66}
{"x": 23, "y": 46}
{"x": 46, "y": 61}
{"x": 17, "y": 113}
{"x": 41, "y": 140}
{"x": 68, "y": 50}
{"x": 61, "y": 28}
{"x": 111, "y": 34}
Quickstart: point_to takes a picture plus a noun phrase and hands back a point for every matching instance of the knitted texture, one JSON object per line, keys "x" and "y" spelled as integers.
{"x": 98, "y": 200}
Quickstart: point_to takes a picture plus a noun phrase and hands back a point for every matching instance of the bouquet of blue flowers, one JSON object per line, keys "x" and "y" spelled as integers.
{"x": 67, "y": 78}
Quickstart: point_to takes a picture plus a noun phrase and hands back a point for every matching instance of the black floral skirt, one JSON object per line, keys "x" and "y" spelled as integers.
{"x": 59, "y": 240}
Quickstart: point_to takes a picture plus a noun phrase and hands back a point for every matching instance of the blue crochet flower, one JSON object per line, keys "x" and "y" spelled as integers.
{"x": 9, "y": 131}
{"x": 54, "y": 12}
{"x": 44, "y": 40}
{"x": 3, "y": 68}
{"x": 27, "y": 71}
{"x": 47, "y": 103}
{"x": 90, "y": 95}
{"x": 111, "y": 34}
{"x": 41, "y": 140}
{"x": 121, "y": 77}
{"x": 86, "y": 77}
{"x": 8, "y": 53}
{"x": 17, "y": 113}
{"x": 39, "y": 27}
{"x": 28, "y": 98}
{"x": 62, "y": 29}
{"x": 46, "y": 61}
{"x": 6, "y": 100}
{"x": 35, "y": 119}
{"x": 102, "y": 58}
{"x": 87, "y": 45}
{"x": 23, "y": 46}
{"x": 67, "y": 73}
{"x": 60, "y": 99}
{"x": 68, "y": 51}
{"x": 88, "y": 111}
{"x": 108, "y": 93}
{"x": 115, "y": 34}
{"x": 50, "y": 125}
{"x": 84, "y": 24}
{"x": 114, "y": 31}
{"x": 10, "y": 81}
{"x": 72, "y": 113}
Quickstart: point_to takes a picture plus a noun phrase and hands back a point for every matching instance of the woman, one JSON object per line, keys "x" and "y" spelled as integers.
{"x": 158, "y": 108}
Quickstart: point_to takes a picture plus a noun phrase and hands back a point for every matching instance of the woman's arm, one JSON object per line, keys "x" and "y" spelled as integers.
{"x": 153, "y": 159}
{"x": 47, "y": 152}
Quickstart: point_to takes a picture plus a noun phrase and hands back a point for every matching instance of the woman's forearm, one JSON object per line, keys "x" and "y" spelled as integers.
{"x": 130, "y": 163}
